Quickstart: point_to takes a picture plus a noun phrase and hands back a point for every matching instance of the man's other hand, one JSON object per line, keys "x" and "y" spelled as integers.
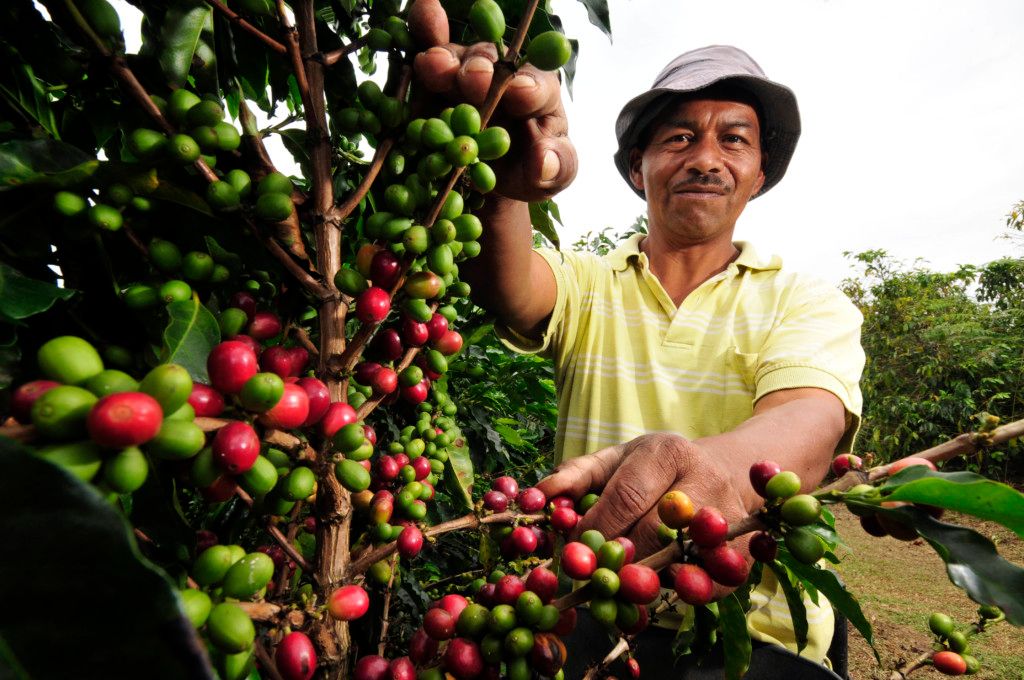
{"x": 542, "y": 160}
{"x": 633, "y": 478}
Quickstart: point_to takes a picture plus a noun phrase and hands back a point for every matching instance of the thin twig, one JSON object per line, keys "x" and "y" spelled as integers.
{"x": 384, "y": 620}
{"x": 620, "y": 648}
{"x": 334, "y": 56}
{"x": 246, "y": 26}
{"x": 287, "y": 546}
{"x": 470, "y": 521}
{"x": 266, "y": 662}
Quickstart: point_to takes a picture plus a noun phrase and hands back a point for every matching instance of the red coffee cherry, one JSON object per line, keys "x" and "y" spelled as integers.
{"x": 506, "y": 485}
{"x": 26, "y": 395}
{"x": 763, "y": 547}
{"x": 414, "y": 333}
{"x": 524, "y": 541}
{"x": 319, "y": 399}
{"x": 402, "y": 669}
{"x": 693, "y": 585}
{"x": 436, "y": 328}
{"x": 422, "y": 467}
{"x": 761, "y": 472}
{"x": 448, "y": 344}
{"x": 564, "y": 520}
{"x": 384, "y": 381}
{"x": 845, "y": 462}
{"x": 230, "y": 365}
{"x": 531, "y": 500}
{"x": 453, "y": 603}
{"x": 578, "y": 561}
{"x": 543, "y": 582}
{"x": 372, "y": 668}
{"x": 339, "y": 414}
{"x": 439, "y": 624}
{"x": 495, "y": 501}
{"x": 410, "y": 542}
{"x": 385, "y": 268}
{"x": 387, "y": 345}
{"x": 422, "y": 647}
{"x": 290, "y": 412}
{"x": 264, "y": 325}
{"x": 245, "y": 301}
{"x": 949, "y": 663}
{"x": 295, "y": 657}
{"x": 348, "y": 603}
{"x": 236, "y": 447}
{"x": 416, "y": 394}
{"x": 206, "y": 401}
{"x": 278, "y": 360}
{"x": 462, "y": 659}
{"x": 639, "y": 584}
{"x": 725, "y": 565}
{"x": 904, "y": 463}
{"x": 708, "y": 527}
{"x": 124, "y": 419}
{"x": 508, "y": 589}
{"x": 373, "y": 305}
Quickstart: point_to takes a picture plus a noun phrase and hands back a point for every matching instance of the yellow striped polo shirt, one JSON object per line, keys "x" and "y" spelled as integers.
{"x": 629, "y": 362}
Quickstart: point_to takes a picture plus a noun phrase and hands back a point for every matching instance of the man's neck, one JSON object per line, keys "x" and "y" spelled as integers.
{"x": 681, "y": 268}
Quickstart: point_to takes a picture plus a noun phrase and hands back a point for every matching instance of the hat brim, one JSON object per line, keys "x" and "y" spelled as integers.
{"x": 780, "y": 127}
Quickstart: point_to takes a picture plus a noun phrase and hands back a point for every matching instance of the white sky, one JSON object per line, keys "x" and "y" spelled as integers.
{"x": 912, "y": 111}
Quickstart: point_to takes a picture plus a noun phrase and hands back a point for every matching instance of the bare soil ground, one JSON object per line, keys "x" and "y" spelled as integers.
{"x": 900, "y": 584}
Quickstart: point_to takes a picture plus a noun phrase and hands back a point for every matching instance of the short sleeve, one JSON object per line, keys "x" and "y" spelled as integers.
{"x": 574, "y": 273}
{"x": 816, "y": 344}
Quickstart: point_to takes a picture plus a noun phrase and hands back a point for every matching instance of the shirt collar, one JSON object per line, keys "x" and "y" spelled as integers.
{"x": 629, "y": 251}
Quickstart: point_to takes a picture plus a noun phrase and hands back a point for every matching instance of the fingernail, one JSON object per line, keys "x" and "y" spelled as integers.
{"x": 479, "y": 65}
{"x": 437, "y": 51}
{"x": 550, "y": 167}
{"x": 522, "y": 81}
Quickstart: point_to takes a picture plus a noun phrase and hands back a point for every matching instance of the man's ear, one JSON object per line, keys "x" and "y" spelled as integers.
{"x": 636, "y": 175}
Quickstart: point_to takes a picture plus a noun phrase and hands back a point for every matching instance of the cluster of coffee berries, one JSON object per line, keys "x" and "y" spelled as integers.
{"x": 951, "y": 645}
{"x": 88, "y": 418}
{"x": 620, "y": 588}
{"x": 866, "y": 502}
{"x": 795, "y": 512}
{"x": 715, "y": 560}
{"x": 510, "y": 629}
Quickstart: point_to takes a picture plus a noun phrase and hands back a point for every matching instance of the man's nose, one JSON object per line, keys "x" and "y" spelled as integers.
{"x": 705, "y": 156}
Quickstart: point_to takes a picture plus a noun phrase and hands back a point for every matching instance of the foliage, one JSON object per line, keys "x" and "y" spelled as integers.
{"x": 942, "y": 349}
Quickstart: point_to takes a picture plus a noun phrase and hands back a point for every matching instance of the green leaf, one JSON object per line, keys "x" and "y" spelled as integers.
{"x": 221, "y": 255}
{"x": 166, "y": 191}
{"x": 541, "y": 214}
{"x": 511, "y": 436}
{"x": 795, "y": 600}
{"x": 295, "y": 141}
{"x": 179, "y": 32}
{"x": 76, "y": 556}
{"x": 597, "y": 12}
{"x": 22, "y": 297}
{"x": 458, "y": 471}
{"x": 972, "y": 562}
{"x": 43, "y": 161}
{"x": 827, "y": 582}
{"x": 478, "y": 334}
{"x": 963, "y": 492}
{"x": 24, "y": 91}
{"x": 735, "y": 637}
{"x": 190, "y": 335}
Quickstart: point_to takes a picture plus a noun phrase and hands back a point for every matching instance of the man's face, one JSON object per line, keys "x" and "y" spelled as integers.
{"x": 701, "y": 166}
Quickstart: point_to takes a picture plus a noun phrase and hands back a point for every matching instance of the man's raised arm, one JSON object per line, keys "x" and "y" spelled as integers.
{"x": 508, "y": 278}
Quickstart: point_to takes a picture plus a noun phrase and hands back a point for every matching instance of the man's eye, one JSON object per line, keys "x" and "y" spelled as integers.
{"x": 679, "y": 137}
{"x": 734, "y": 139}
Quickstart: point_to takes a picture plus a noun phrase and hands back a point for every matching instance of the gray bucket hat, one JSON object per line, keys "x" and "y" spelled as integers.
{"x": 698, "y": 69}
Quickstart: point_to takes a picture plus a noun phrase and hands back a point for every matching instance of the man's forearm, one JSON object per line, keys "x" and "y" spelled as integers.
{"x": 799, "y": 431}
{"x": 508, "y": 279}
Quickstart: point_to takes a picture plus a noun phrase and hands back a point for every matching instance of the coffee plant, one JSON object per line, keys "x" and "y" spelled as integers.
{"x": 238, "y": 404}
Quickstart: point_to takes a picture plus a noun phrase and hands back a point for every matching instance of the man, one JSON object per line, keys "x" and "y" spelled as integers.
{"x": 681, "y": 358}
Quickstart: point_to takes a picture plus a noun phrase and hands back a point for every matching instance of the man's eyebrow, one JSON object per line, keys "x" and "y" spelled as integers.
{"x": 681, "y": 123}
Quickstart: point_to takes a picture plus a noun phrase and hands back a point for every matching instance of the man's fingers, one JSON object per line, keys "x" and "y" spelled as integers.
{"x": 581, "y": 475}
{"x": 476, "y": 73}
{"x": 631, "y": 494}
{"x": 532, "y": 93}
{"x": 428, "y": 23}
{"x": 540, "y": 168}
{"x": 436, "y": 68}
{"x": 645, "y": 534}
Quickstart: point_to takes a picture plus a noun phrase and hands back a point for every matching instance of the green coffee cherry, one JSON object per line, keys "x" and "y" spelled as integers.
{"x": 69, "y": 204}
{"x": 487, "y": 20}
{"x": 275, "y": 183}
{"x": 165, "y": 255}
{"x": 69, "y": 359}
{"x": 126, "y": 471}
{"x": 105, "y": 217}
{"x": 549, "y": 51}
{"x": 81, "y": 459}
{"x": 230, "y": 628}
{"x": 494, "y": 142}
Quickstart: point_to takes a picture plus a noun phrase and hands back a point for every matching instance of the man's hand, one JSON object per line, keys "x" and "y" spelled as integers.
{"x": 634, "y": 476}
{"x": 542, "y": 160}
